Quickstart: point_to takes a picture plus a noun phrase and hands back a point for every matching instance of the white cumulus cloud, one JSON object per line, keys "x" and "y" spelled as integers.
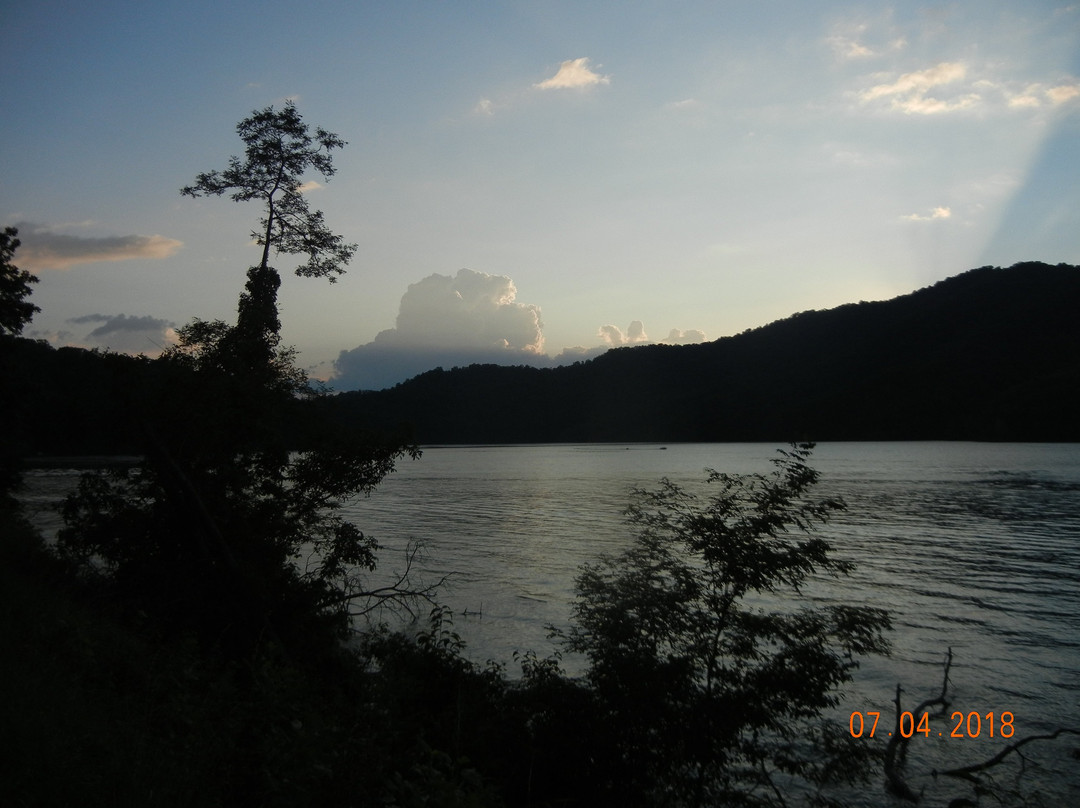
{"x": 613, "y": 335}
{"x": 573, "y": 73}
{"x": 447, "y": 321}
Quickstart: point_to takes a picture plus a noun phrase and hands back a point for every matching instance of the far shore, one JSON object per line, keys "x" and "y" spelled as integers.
{"x": 81, "y": 461}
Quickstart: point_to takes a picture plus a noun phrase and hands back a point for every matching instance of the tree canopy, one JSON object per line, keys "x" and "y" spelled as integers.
{"x": 15, "y": 310}
{"x": 711, "y": 669}
{"x": 279, "y": 151}
{"x": 224, "y": 529}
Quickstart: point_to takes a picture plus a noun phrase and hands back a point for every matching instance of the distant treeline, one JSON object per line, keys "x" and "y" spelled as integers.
{"x": 991, "y": 354}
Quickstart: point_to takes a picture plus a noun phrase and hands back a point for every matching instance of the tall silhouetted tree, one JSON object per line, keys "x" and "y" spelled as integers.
{"x": 224, "y": 529}
{"x": 15, "y": 310}
{"x": 279, "y": 151}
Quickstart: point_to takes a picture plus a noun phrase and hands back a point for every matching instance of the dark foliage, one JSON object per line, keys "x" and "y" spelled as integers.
{"x": 279, "y": 149}
{"x": 15, "y": 310}
{"x": 220, "y": 530}
{"x": 710, "y": 693}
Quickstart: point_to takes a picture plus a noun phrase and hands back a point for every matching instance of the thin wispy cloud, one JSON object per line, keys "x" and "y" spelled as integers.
{"x": 854, "y": 41}
{"x": 936, "y": 213}
{"x": 1035, "y": 95}
{"x": 910, "y": 92}
{"x": 573, "y": 74}
{"x": 43, "y": 248}
{"x": 1029, "y": 97}
{"x": 846, "y": 45}
{"x": 948, "y": 87}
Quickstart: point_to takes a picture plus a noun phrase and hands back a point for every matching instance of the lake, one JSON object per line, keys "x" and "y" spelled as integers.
{"x": 972, "y": 546}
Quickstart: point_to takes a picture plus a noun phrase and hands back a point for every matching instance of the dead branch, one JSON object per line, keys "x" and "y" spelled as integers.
{"x": 896, "y": 751}
{"x": 403, "y": 595}
{"x": 967, "y": 772}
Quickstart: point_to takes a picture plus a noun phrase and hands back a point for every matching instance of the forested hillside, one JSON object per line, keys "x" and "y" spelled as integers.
{"x": 991, "y": 354}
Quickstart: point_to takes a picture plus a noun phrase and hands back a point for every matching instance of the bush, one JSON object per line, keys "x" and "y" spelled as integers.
{"x": 711, "y": 670}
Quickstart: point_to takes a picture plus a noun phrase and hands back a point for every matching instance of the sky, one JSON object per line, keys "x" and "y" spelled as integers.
{"x": 535, "y": 182}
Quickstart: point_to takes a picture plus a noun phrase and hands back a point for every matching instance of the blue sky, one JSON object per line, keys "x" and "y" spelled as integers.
{"x": 536, "y": 181}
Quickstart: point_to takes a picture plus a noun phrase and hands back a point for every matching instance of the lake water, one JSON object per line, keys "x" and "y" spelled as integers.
{"x": 970, "y": 546}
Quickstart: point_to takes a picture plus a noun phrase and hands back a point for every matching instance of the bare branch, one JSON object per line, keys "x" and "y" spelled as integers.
{"x": 897, "y": 747}
{"x": 403, "y": 595}
{"x": 967, "y": 772}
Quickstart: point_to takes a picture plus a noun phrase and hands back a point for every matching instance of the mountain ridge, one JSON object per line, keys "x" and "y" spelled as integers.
{"x": 989, "y": 354}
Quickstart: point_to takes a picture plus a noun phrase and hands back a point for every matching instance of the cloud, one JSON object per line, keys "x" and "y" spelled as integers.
{"x": 918, "y": 82}
{"x": 936, "y": 213}
{"x": 1036, "y": 95}
{"x": 42, "y": 248}
{"x": 573, "y": 73}
{"x": 909, "y": 93}
{"x": 485, "y": 106}
{"x": 54, "y": 338}
{"x": 848, "y": 39}
{"x": 1029, "y": 97}
{"x": 689, "y": 337}
{"x": 613, "y": 336}
{"x": 846, "y": 44}
{"x": 127, "y": 333}
{"x": 470, "y": 318}
{"x": 447, "y": 321}
{"x": 849, "y": 48}
{"x": 1063, "y": 93}
{"x": 578, "y": 353}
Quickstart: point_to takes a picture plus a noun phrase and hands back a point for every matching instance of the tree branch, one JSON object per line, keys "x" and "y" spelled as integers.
{"x": 966, "y": 772}
{"x": 895, "y": 780}
{"x": 401, "y": 595}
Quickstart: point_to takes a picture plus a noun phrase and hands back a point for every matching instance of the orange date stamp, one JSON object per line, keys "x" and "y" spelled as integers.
{"x": 967, "y": 725}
